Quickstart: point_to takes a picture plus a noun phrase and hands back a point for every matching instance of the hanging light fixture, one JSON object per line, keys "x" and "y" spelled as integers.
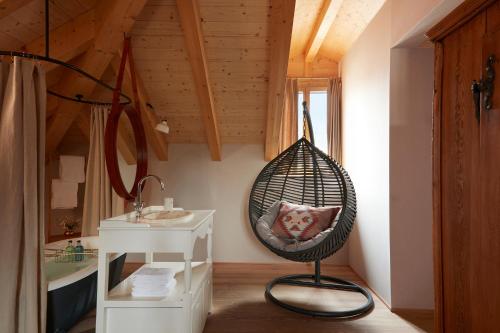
{"x": 162, "y": 126}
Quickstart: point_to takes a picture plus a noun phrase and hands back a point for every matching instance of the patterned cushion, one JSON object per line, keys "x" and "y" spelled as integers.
{"x": 302, "y": 222}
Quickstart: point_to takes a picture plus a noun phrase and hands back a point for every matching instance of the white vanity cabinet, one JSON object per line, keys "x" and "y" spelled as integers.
{"x": 186, "y": 309}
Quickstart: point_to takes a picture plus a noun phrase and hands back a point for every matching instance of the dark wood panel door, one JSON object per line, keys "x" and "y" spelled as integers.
{"x": 460, "y": 152}
{"x": 486, "y": 251}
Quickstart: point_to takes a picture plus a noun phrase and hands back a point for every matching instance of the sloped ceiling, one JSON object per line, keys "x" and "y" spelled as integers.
{"x": 235, "y": 36}
{"x": 236, "y": 40}
{"x": 26, "y": 23}
{"x": 352, "y": 19}
{"x": 349, "y": 21}
{"x": 306, "y": 15}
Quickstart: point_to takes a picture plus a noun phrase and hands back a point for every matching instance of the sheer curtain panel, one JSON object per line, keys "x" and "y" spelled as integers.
{"x": 334, "y": 130}
{"x": 100, "y": 199}
{"x": 288, "y": 132}
{"x": 23, "y": 285}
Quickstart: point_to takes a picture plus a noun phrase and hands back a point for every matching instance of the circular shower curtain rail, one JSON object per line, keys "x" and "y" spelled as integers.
{"x": 78, "y": 98}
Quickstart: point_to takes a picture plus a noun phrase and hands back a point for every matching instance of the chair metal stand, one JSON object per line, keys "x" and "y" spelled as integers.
{"x": 318, "y": 281}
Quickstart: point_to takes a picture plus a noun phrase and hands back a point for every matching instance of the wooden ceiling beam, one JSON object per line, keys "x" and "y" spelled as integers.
{"x": 156, "y": 139}
{"x": 53, "y": 77}
{"x": 67, "y": 41}
{"x": 7, "y": 7}
{"x": 116, "y": 18}
{"x": 282, "y": 12}
{"x": 193, "y": 38}
{"x": 323, "y": 23}
{"x": 83, "y": 122}
{"x": 52, "y": 105}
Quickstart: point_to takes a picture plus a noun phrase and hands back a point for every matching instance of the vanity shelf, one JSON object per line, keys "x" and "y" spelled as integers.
{"x": 120, "y": 296}
{"x": 183, "y": 311}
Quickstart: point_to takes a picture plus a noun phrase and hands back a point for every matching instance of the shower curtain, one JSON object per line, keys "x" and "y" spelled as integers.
{"x": 334, "y": 130}
{"x": 23, "y": 287}
{"x": 288, "y": 131}
{"x": 100, "y": 200}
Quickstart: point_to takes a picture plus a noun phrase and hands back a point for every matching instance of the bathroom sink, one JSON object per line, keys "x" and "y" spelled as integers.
{"x": 168, "y": 216}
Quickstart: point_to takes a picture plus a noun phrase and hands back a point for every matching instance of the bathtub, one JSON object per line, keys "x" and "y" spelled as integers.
{"x": 72, "y": 287}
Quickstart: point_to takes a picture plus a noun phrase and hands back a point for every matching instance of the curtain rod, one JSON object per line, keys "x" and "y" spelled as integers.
{"x": 78, "y": 97}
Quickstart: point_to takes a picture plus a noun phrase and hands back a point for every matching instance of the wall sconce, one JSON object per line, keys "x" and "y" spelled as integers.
{"x": 162, "y": 126}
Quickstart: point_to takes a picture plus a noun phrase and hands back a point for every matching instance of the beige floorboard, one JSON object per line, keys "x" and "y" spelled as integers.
{"x": 240, "y": 305}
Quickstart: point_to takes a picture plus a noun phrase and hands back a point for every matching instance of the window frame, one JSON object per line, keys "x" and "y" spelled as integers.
{"x": 306, "y": 85}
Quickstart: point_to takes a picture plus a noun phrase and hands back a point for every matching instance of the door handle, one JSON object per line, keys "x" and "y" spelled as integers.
{"x": 489, "y": 82}
{"x": 484, "y": 86}
{"x": 476, "y": 96}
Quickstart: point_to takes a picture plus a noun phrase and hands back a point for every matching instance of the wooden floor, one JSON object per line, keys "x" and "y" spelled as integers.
{"x": 240, "y": 305}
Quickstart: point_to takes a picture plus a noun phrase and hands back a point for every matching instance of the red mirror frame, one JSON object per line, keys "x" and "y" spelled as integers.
{"x": 110, "y": 136}
{"x": 110, "y": 147}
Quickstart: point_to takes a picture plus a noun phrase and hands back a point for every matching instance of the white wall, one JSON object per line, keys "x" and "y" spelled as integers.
{"x": 197, "y": 182}
{"x": 390, "y": 165}
{"x": 365, "y": 123}
{"x": 412, "y": 77}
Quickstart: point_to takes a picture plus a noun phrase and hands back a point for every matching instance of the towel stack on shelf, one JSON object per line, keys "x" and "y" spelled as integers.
{"x": 153, "y": 282}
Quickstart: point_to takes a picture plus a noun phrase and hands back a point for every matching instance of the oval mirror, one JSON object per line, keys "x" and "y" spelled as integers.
{"x": 127, "y": 151}
{"x": 125, "y": 117}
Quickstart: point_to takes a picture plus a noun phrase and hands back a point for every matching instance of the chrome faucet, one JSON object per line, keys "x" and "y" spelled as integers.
{"x": 139, "y": 204}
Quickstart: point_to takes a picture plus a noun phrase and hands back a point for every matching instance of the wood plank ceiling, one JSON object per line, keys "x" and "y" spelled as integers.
{"x": 333, "y": 25}
{"x": 235, "y": 38}
{"x": 20, "y": 25}
{"x": 235, "y": 35}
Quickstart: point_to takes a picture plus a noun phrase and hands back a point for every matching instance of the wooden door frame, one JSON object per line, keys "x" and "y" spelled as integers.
{"x": 457, "y": 18}
{"x": 436, "y": 188}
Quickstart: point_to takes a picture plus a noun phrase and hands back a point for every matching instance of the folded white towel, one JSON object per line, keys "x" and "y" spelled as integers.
{"x": 153, "y": 286}
{"x": 153, "y": 275}
{"x": 150, "y": 294}
{"x": 64, "y": 195}
{"x": 164, "y": 279}
{"x": 159, "y": 291}
{"x": 153, "y": 271}
{"x": 141, "y": 284}
{"x": 72, "y": 168}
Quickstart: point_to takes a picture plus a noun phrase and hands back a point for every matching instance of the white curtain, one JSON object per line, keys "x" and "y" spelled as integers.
{"x": 100, "y": 200}
{"x": 23, "y": 288}
{"x": 334, "y": 131}
{"x": 288, "y": 130}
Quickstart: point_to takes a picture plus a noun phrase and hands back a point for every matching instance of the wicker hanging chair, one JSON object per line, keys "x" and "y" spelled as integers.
{"x": 303, "y": 174}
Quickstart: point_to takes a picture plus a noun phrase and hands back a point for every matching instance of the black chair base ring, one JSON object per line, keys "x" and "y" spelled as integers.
{"x": 332, "y": 283}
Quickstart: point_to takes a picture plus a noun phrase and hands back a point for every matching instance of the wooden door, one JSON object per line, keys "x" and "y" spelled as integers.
{"x": 467, "y": 172}
{"x": 486, "y": 251}
{"x": 459, "y": 169}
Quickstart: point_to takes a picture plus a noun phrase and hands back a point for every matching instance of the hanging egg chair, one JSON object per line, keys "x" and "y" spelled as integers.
{"x": 304, "y": 175}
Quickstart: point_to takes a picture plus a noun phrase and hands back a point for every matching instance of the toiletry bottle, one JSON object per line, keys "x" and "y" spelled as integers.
{"x": 79, "y": 251}
{"x": 70, "y": 250}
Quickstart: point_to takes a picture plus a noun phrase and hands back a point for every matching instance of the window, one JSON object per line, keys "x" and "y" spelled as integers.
{"x": 314, "y": 92}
